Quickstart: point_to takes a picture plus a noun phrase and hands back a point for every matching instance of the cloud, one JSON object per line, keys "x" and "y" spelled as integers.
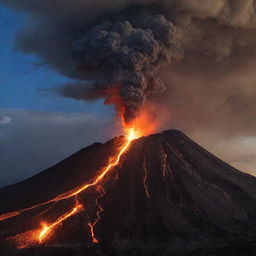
{"x": 218, "y": 100}
{"x": 240, "y": 152}
{"x": 37, "y": 140}
{"x": 5, "y": 120}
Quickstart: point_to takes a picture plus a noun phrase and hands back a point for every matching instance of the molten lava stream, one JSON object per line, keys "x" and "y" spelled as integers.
{"x": 100, "y": 209}
{"x": 94, "y": 239}
{"x": 48, "y": 228}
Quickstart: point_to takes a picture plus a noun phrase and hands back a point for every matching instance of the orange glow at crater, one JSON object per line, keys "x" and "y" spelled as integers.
{"x": 142, "y": 125}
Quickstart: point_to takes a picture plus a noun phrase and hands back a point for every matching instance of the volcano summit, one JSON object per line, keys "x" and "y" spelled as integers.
{"x": 166, "y": 196}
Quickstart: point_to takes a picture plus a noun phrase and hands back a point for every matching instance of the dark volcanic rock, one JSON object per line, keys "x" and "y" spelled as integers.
{"x": 168, "y": 196}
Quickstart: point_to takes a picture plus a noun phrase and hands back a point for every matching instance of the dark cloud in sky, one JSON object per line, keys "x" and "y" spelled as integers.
{"x": 125, "y": 56}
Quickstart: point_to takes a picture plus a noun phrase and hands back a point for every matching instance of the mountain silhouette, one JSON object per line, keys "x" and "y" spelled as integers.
{"x": 168, "y": 196}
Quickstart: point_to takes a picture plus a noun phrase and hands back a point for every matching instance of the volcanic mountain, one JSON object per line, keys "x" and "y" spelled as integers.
{"x": 167, "y": 196}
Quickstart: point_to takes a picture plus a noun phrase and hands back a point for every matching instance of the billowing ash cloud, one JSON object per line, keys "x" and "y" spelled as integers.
{"x": 120, "y": 48}
{"x": 125, "y": 57}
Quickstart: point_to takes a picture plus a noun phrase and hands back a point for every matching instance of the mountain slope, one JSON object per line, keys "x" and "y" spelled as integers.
{"x": 177, "y": 195}
{"x": 67, "y": 174}
{"x": 168, "y": 195}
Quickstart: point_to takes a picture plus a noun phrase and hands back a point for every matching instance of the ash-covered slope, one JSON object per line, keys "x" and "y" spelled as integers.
{"x": 175, "y": 195}
{"x": 168, "y": 195}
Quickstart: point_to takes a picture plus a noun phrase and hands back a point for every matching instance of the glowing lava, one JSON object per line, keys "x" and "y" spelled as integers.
{"x": 114, "y": 161}
{"x": 94, "y": 239}
{"x": 100, "y": 209}
{"x": 47, "y": 229}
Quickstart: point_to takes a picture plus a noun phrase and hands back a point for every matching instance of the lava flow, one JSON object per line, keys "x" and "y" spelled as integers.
{"x": 48, "y": 228}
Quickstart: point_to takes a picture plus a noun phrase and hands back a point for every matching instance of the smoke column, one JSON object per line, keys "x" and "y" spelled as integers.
{"x": 126, "y": 56}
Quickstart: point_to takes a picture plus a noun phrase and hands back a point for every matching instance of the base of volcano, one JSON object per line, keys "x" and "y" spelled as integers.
{"x": 168, "y": 196}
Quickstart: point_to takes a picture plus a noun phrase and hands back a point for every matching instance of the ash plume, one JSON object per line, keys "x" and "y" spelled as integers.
{"x": 126, "y": 55}
{"x": 120, "y": 48}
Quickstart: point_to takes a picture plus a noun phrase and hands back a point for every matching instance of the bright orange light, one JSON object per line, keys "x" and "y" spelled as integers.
{"x": 142, "y": 125}
{"x": 133, "y": 134}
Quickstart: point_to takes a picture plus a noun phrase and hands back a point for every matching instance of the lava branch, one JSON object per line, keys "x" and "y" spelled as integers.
{"x": 100, "y": 209}
{"x": 94, "y": 239}
{"x": 145, "y": 178}
{"x": 47, "y": 229}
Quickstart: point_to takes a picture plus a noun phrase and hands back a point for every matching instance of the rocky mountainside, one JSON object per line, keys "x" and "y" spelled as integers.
{"x": 169, "y": 196}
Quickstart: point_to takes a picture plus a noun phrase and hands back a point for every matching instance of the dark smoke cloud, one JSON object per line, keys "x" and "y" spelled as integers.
{"x": 126, "y": 55}
{"x": 139, "y": 42}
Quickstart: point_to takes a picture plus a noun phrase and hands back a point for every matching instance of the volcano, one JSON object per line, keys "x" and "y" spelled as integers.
{"x": 167, "y": 196}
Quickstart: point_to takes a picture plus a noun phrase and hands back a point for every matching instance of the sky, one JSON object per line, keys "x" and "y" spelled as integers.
{"x": 39, "y": 127}
{"x": 25, "y": 82}
{"x": 33, "y": 117}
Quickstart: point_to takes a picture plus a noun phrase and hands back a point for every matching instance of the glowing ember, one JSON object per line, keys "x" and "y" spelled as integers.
{"x": 101, "y": 190}
{"x": 142, "y": 125}
{"x": 94, "y": 239}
